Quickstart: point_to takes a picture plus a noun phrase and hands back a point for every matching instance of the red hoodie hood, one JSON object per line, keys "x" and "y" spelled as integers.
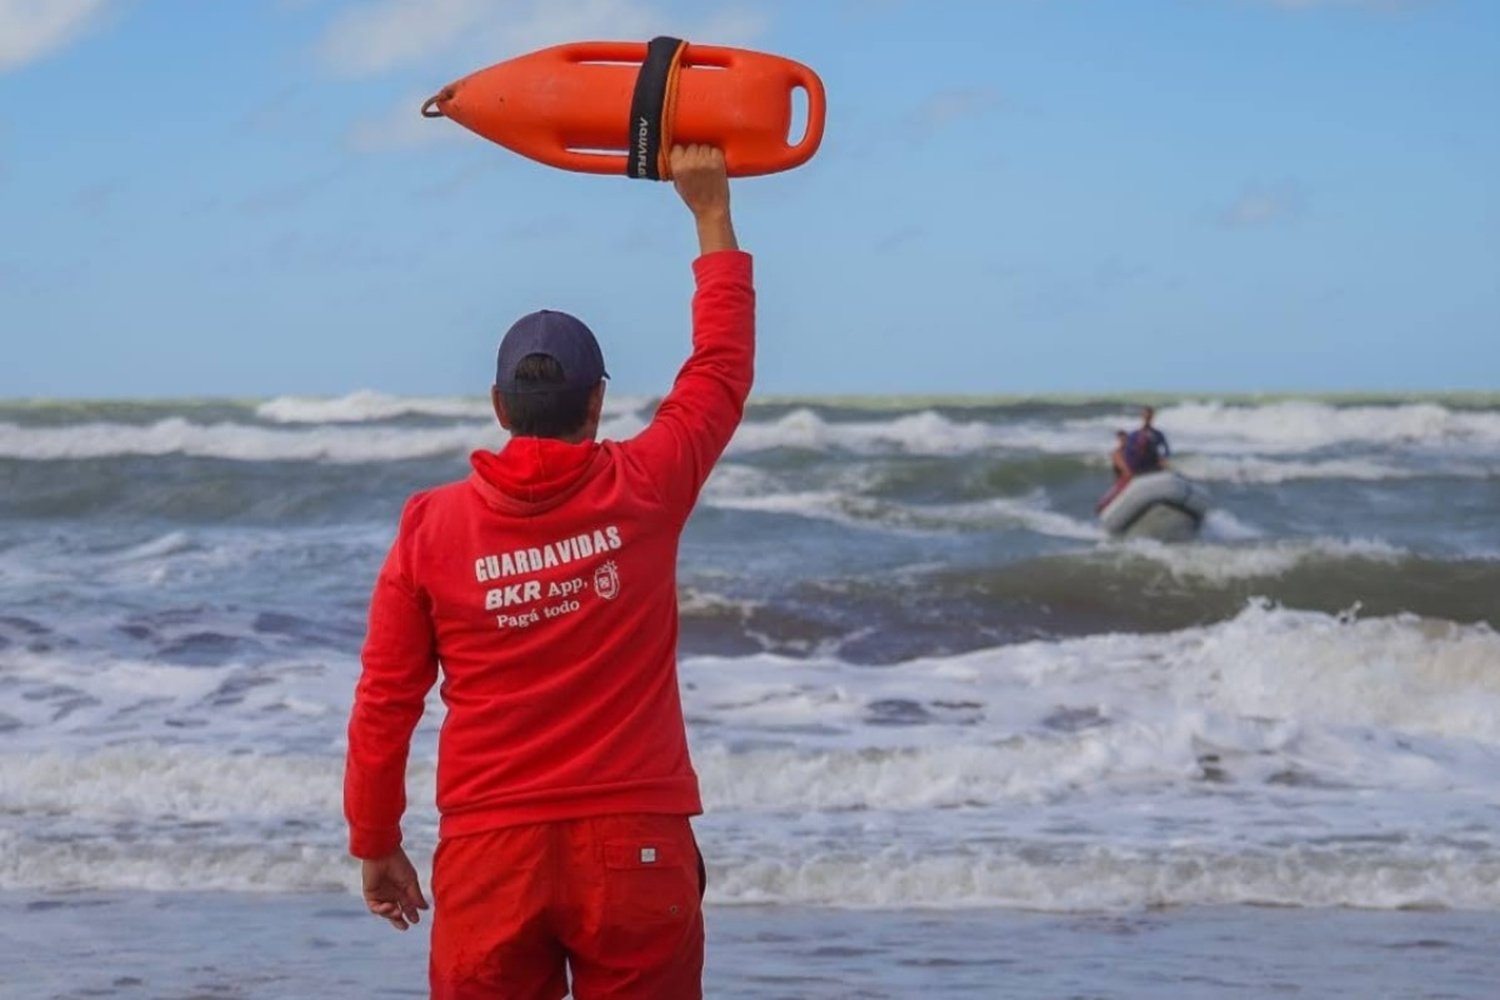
{"x": 531, "y": 475}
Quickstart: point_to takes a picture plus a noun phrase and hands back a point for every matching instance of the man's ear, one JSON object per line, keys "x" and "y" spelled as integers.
{"x": 498, "y": 402}
{"x": 596, "y": 403}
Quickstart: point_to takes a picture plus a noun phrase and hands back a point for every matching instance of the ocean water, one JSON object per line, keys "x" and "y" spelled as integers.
{"x": 953, "y": 742}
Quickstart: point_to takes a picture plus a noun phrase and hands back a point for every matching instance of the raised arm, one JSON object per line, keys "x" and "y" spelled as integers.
{"x": 703, "y": 184}
{"x": 694, "y": 423}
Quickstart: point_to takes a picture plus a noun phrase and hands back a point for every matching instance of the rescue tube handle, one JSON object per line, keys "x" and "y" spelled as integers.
{"x": 625, "y": 53}
{"x": 797, "y": 75}
{"x": 587, "y": 163}
{"x": 632, "y": 53}
{"x": 817, "y": 112}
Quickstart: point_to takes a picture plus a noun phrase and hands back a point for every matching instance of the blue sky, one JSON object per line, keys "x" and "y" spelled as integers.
{"x": 1013, "y": 196}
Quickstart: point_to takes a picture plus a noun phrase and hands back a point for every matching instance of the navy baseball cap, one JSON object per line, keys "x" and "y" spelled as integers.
{"x": 562, "y": 338}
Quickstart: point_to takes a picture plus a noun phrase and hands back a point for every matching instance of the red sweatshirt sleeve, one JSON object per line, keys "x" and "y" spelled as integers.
{"x": 399, "y": 668}
{"x": 693, "y": 424}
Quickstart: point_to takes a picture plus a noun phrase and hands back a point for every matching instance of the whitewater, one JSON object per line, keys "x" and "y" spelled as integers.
{"x": 945, "y": 729}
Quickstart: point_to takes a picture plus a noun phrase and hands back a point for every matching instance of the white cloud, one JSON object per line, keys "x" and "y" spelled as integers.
{"x": 948, "y": 106}
{"x": 378, "y": 36}
{"x": 31, "y": 29}
{"x": 403, "y": 127}
{"x": 1263, "y": 206}
{"x": 382, "y": 35}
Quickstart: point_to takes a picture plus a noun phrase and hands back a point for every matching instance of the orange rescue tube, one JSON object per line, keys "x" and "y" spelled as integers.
{"x": 570, "y": 106}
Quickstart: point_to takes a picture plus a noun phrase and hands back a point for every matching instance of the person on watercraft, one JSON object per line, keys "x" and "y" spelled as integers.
{"x": 1117, "y": 457}
{"x": 1146, "y": 449}
{"x": 1121, "y": 466}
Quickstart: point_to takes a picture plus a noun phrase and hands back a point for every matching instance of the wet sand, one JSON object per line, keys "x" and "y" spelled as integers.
{"x": 276, "y": 947}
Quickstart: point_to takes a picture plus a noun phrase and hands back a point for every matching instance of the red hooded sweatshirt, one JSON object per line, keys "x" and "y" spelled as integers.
{"x": 544, "y": 586}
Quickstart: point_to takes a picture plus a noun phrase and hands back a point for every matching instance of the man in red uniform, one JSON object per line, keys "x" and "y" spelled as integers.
{"x": 544, "y": 588}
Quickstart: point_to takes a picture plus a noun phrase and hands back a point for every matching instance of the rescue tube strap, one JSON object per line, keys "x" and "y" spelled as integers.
{"x": 651, "y": 110}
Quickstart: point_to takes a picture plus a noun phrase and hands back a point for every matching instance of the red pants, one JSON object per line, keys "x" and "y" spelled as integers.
{"x": 616, "y": 900}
